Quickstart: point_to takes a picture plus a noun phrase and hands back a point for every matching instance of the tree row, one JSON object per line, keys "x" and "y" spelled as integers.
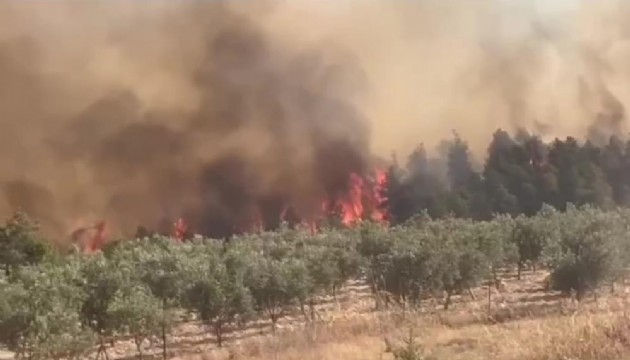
{"x": 55, "y": 306}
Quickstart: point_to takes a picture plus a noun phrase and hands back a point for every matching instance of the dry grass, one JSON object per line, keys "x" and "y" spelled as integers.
{"x": 583, "y": 335}
{"x": 525, "y": 324}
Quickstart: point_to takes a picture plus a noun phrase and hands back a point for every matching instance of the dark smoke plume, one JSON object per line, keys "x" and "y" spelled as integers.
{"x": 271, "y": 129}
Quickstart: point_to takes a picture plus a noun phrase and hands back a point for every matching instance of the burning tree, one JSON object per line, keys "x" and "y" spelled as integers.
{"x": 362, "y": 199}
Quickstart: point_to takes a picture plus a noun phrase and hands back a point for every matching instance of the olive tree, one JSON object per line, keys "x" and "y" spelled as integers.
{"x": 589, "y": 250}
{"x": 216, "y": 293}
{"x": 136, "y": 312}
{"x": 103, "y": 280}
{"x": 276, "y": 284}
{"x": 20, "y": 243}
{"x": 40, "y": 313}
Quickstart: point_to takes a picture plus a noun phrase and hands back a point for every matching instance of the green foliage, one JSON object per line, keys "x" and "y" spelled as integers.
{"x": 40, "y": 313}
{"x": 530, "y": 235}
{"x": 410, "y": 349}
{"x": 216, "y": 293}
{"x": 590, "y": 250}
{"x": 520, "y": 174}
{"x": 158, "y": 264}
{"x": 20, "y": 244}
{"x": 275, "y": 284}
{"x": 135, "y": 312}
{"x": 102, "y": 283}
{"x": 52, "y": 307}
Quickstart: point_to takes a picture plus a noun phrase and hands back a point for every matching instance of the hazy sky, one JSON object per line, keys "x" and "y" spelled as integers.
{"x": 554, "y": 5}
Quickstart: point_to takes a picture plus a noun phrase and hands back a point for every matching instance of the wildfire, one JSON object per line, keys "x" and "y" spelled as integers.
{"x": 380, "y": 197}
{"x": 180, "y": 228}
{"x": 90, "y": 239}
{"x": 364, "y": 200}
{"x": 352, "y": 207}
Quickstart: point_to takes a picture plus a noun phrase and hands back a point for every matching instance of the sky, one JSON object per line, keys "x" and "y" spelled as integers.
{"x": 554, "y": 5}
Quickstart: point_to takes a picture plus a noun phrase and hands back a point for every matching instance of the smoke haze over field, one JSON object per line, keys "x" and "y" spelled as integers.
{"x": 141, "y": 112}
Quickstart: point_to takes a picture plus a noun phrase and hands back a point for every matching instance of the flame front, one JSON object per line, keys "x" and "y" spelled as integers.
{"x": 365, "y": 199}
{"x": 380, "y": 197}
{"x": 180, "y": 230}
{"x": 90, "y": 239}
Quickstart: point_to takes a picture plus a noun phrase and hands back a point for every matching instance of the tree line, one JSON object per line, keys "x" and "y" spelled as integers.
{"x": 520, "y": 174}
{"x": 55, "y": 305}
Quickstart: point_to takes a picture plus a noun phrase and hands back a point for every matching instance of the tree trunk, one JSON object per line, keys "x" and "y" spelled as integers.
{"x": 579, "y": 294}
{"x": 334, "y": 291}
{"x": 375, "y": 293}
{"x": 472, "y": 294}
{"x": 163, "y": 340}
{"x": 447, "y": 302}
{"x": 138, "y": 343}
{"x": 218, "y": 331}
{"x": 102, "y": 350}
{"x": 518, "y": 271}
{"x": 311, "y": 306}
{"x": 274, "y": 321}
{"x": 164, "y": 329}
{"x": 489, "y": 298}
{"x": 497, "y": 281}
{"x": 403, "y": 303}
{"x": 303, "y": 311}
{"x": 534, "y": 266}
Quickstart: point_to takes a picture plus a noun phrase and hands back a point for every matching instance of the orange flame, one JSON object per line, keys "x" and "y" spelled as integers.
{"x": 380, "y": 196}
{"x": 364, "y": 199}
{"x": 99, "y": 239}
{"x": 180, "y": 230}
{"x": 90, "y": 239}
{"x": 352, "y": 206}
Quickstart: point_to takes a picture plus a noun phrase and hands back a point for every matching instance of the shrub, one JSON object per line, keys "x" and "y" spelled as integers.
{"x": 589, "y": 251}
{"x": 20, "y": 244}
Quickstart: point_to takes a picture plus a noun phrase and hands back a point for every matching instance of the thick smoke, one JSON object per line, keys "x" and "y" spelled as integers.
{"x": 270, "y": 127}
{"x": 142, "y": 112}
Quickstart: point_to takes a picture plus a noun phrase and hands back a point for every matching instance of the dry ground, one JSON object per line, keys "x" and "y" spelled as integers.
{"x": 525, "y": 322}
{"x": 559, "y": 337}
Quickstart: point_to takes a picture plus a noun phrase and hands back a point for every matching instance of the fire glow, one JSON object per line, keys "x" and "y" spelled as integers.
{"x": 365, "y": 199}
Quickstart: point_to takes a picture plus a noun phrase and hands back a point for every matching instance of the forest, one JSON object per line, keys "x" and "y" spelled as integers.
{"x": 520, "y": 174}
